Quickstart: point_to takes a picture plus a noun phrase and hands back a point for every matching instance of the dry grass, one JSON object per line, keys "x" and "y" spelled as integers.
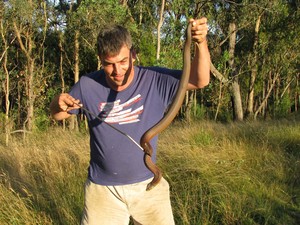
{"x": 233, "y": 173}
{"x": 219, "y": 174}
{"x": 46, "y": 174}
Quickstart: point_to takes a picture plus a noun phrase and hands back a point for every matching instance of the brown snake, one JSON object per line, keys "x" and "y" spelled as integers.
{"x": 169, "y": 116}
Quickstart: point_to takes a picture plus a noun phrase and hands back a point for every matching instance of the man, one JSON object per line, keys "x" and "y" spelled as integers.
{"x": 132, "y": 99}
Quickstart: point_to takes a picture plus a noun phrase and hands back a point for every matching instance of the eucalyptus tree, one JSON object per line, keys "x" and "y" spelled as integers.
{"x": 4, "y": 71}
{"x": 27, "y": 23}
{"x": 159, "y": 25}
{"x": 148, "y": 16}
{"x": 259, "y": 64}
{"x": 256, "y": 17}
{"x": 89, "y": 18}
{"x": 280, "y": 53}
{"x": 226, "y": 22}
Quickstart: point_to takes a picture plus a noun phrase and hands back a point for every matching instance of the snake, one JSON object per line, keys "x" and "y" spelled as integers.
{"x": 170, "y": 114}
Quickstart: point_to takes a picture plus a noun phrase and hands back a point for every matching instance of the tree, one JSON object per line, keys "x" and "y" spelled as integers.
{"x": 30, "y": 34}
{"x": 254, "y": 66}
{"x": 159, "y": 25}
{"x": 235, "y": 87}
{"x": 4, "y": 60}
{"x": 45, "y": 46}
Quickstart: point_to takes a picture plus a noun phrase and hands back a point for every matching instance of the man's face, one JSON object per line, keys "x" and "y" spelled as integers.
{"x": 116, "y": 69}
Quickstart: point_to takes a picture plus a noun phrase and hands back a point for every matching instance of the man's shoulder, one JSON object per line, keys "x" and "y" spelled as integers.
{"x": 158, "y": 70}
{"x": 94, "y": 74}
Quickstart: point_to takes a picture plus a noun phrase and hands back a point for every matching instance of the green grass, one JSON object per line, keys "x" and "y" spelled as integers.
{"x": 239, "y": 173}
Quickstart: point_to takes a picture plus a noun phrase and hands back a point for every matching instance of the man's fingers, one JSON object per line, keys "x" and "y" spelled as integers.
{"x": 199, "y": 29}
{"x": 67, "y": 102}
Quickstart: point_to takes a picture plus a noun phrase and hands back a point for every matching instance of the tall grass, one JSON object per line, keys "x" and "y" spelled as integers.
{"x": 234, "y": 173}
{"x": 42, "y": 179}
{"x": 243, "y": 173}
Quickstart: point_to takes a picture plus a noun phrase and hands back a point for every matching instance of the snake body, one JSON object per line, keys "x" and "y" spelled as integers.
{"x": 169, "y": 116}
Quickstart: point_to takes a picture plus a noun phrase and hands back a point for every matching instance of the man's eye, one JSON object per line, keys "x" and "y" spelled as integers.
{"x": 107, "y": 64}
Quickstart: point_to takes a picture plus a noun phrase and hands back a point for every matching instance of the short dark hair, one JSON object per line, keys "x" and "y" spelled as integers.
{"x": 111, "y": 39}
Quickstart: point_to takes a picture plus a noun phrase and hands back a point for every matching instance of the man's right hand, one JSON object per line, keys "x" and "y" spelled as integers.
{"x": 62, "y": 104}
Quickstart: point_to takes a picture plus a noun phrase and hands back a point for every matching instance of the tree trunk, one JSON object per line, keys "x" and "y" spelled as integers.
{"x": 269, "y": 91}
{"x": 237, "y": 101}
{"x": 297, "y": 94}
{"x": 188, "y": 108}
{"x": 76, "y": 56}
{"x": 250, "y": 102}
{"x": 6, "y": 85}
{"x": 159, "y": 25}
{"x": 61, "y": 71}
{"x": 31, "y": 96}
{"x": 217, "y": 74}
{"x": 235, "y": 87}
{"x": 29, "y": 74}
{"x": 219, "y": 101}
{"x": 73, "y": 120}
{"x": 140, "y": 14}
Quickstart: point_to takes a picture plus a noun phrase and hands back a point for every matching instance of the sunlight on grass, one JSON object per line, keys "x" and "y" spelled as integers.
{"x": 231, "y": 174}
{"x": 239, "y": 173}
{"x": 48, "y": 171}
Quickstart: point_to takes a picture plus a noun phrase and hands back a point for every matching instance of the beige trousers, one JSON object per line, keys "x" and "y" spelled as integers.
{"x": 113, "y": 205}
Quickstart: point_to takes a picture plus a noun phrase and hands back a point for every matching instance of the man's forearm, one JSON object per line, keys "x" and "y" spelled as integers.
{"x": 200, "y": 68}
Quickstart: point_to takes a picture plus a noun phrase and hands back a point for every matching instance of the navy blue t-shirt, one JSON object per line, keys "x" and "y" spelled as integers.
{"x": 114, "y": 159}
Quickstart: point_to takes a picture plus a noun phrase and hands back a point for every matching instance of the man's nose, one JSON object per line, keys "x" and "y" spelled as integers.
{"x": 117, "y": 68}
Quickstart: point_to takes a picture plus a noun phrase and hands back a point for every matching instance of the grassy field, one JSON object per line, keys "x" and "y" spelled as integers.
{"x": 239, "y": 173}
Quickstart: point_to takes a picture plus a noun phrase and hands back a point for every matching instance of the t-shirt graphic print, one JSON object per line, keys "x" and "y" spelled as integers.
{"x": 121, "y": 113}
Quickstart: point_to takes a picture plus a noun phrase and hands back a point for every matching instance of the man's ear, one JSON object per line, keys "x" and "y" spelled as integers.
{"x": 133, "y": 55}
{"x": 100, "y": 64}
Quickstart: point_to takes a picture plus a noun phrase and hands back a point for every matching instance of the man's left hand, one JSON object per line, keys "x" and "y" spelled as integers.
{"x": 199, "y": 29}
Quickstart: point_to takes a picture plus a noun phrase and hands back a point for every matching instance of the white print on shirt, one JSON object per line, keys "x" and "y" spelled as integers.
{"x": 115, "y": 112}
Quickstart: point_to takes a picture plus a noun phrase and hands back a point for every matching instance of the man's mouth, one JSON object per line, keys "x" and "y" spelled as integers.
{"x": 118, "y": 77}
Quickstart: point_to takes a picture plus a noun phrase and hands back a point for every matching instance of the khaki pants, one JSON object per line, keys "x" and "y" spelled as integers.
{"x": 113, "y": 205}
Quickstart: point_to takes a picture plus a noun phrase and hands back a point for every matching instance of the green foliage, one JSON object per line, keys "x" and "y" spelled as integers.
{"x": 284, "y": 106}
{"x": 199, "y": 112}
{"x": 225, "y": 115}
{"x": 42, "y": 122}
{"x": 277, "y": 50}
{"x": 19, "y": 9}
{"x": 171, "y": 59}
{"x": 146, "y": 50}
{"x": 225, "y": 56}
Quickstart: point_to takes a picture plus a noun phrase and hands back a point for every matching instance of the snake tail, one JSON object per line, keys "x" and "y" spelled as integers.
{"x": 151, "y": 166}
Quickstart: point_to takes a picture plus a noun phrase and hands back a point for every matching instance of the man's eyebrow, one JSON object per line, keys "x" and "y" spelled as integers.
{"x": 123, "y": 59}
